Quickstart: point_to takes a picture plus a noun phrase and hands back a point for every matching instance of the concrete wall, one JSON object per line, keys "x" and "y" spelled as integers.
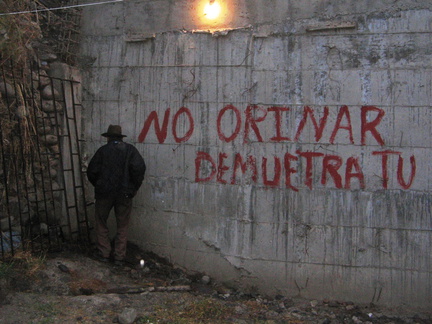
{"x": 288, "y": 144}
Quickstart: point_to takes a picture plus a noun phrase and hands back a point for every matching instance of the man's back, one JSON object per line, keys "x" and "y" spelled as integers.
{"x": 116, "y": 168}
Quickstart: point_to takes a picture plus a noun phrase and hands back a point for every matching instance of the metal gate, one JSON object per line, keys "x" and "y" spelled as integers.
{"x": 42, "y": 187}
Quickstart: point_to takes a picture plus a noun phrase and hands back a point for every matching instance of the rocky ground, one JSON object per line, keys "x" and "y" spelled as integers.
{"x": 72, "y": 287}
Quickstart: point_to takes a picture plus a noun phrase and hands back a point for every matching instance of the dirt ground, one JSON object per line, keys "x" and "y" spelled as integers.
{"x": 72, "y": 287}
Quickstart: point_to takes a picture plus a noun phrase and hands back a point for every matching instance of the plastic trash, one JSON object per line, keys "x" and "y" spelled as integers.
{"x": 6, "y": 243}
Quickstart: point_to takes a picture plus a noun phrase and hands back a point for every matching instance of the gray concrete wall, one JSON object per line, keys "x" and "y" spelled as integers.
{"x": 328, "y": 101}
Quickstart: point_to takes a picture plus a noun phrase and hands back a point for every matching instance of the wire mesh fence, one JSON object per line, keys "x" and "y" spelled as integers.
{"x": 42, "y": 201}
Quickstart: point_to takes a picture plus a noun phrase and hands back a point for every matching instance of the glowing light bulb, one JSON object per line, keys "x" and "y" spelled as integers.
{"x": 212, "y": 10}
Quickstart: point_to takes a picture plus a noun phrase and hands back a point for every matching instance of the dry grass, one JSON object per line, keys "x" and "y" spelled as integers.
{"x": 207, "y": 310}
{"x": 28, "y": 264}
{"x": 22, "y": 267}
{"x": 17, "y": 112}
{"x": 17, "y": 32}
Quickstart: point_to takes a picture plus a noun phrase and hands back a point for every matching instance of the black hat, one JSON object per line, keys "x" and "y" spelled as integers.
{"x": 114, "y": 131}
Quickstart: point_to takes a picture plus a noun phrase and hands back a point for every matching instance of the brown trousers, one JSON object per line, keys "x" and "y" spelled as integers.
{"x": 122, "y": 209}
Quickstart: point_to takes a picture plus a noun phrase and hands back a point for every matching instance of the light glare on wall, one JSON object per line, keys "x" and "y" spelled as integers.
{"x": 212, "y": 10}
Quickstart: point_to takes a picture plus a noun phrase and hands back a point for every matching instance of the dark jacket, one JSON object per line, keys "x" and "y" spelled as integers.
{"x": 117, "y": 168}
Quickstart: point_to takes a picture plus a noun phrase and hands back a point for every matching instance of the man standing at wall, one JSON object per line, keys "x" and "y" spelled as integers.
{"x": 116, "y": 171}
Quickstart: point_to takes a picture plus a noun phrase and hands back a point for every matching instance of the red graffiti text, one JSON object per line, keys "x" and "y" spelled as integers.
{"x": 283, "y": 170}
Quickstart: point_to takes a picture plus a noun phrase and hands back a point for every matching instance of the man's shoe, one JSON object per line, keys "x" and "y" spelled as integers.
{"x": 100, "y": 258}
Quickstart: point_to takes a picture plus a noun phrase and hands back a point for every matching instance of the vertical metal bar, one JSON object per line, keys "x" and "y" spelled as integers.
{"x": 54, "y": 126}
{"x": 25, "y": 167}
{"x": 23, "y": 157}
{"x": 42, "y": 156}
{"x": 59, "y": 135}
{"x": 14, "y": 163}
{"x": 86, "y": 219}
{"x": 5, "y": 172}
{"x": 72, "y": 154}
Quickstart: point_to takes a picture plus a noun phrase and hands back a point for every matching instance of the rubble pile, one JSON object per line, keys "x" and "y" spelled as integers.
{"x": 75, "y": 288}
